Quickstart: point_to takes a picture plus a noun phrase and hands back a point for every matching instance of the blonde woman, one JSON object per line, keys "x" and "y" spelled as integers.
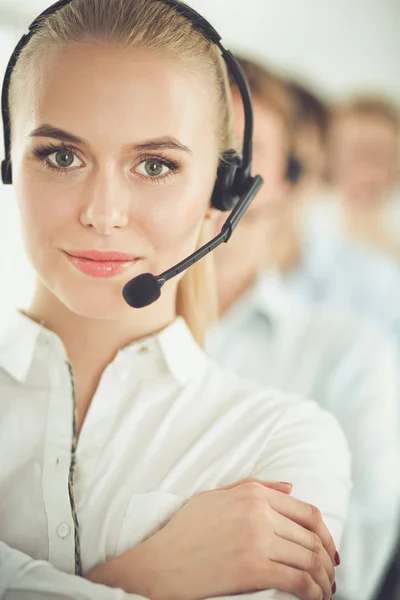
{"x": 131, "y": 466}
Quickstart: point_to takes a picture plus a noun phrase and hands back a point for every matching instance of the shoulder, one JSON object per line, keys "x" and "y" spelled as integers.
{"x": 335, "y": 332}
{"x": 345, "y": 329}
{"x": 329, "y": 248}
{"x": 376, "y": 271}
{"x": 349, "y": 273}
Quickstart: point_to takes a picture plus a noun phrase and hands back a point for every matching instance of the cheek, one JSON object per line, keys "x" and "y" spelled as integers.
{"x": 172, "y": 226}
{"x": 171, "y": 220}
{"x": 272, "y": 168}
{"x": 270, "y": 162}
{"x": 45, "y": 212}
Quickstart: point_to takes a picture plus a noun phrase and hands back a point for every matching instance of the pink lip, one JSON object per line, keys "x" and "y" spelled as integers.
{"x": 101, "y": 264}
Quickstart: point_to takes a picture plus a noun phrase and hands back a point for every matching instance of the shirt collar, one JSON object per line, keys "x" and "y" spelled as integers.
{"x": 19, "y": 343}
{"x": 273, "y": 299}
{"x": 175, "y": 345}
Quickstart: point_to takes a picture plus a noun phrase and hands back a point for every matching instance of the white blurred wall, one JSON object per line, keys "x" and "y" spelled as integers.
{"x": 341, "y": 46}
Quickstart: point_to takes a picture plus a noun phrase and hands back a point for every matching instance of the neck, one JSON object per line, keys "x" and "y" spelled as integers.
{"x": 367, "y": 225}
{"x": 239, "y": 262}
{"x": 92, "y": 343}
{"x": 238, "y": 265}
{"x": 285, "y": 252}
{"x": 363, "y": 220}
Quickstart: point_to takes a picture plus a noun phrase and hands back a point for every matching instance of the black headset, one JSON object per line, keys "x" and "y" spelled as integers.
{"x": 294, "y": 169}
{"x": 234, "y": 171}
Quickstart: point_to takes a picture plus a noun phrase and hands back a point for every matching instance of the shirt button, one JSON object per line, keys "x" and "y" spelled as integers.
{"x": 144, "y": 349}
{"x": 63, "y": 530}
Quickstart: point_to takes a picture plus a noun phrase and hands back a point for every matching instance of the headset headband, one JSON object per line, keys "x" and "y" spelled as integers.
{"x": 189, "y": 13}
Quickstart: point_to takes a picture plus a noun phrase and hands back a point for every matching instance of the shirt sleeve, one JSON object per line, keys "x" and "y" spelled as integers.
{"x": 22, "y": 578}
{"x": 309, "y": 450}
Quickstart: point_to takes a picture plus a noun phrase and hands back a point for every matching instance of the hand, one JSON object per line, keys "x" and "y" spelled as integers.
{"x": 246, "y": 537}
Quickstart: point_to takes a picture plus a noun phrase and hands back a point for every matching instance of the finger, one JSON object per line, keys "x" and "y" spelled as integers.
{"x": 279, "y": 486}
{"x": 306, "y": 515}
{"x": 293, "y": 555}
{"x": 291, "y": 531}
{"x": 292, "y": 581}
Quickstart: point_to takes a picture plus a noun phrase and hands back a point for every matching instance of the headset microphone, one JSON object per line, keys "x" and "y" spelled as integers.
{"x": 146, "y": 288}
{"x": 235, "y": 187}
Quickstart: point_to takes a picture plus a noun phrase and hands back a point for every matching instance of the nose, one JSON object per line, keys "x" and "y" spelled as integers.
{"x": 106, "y": 205}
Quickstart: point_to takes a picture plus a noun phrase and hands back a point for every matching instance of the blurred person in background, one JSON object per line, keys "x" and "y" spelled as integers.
{"x": 310, "y": 130}
{"x": 268, "y": 335}
{"x": 320, "y": 263}
{"x": 364, "y": 155}
{"x": 312, "y": 121}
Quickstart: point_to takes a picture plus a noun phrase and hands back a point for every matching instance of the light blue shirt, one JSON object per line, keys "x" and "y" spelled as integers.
{"x": 350, "y": 368}
{"x": 338, "y": 272}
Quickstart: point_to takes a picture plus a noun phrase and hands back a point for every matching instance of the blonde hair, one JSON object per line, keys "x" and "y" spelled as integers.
{"x": 153, "y": 25}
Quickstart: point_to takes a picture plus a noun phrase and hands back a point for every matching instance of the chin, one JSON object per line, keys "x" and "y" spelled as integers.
{"x": 365, "y": 198}
{"x": 100, "y": 311}
{"x": 92, "y": 301}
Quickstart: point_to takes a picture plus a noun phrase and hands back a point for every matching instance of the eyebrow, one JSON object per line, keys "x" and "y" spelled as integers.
{"x": 162, "y": 143}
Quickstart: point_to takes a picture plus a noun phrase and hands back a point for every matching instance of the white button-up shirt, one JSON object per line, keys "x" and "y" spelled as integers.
{"x": 165, "y": 423}
{"x": 351, "y": 370}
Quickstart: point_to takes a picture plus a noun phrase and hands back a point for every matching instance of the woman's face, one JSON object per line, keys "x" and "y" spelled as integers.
{"x": 364, "y": 159}
{"x": 114, "y": 161}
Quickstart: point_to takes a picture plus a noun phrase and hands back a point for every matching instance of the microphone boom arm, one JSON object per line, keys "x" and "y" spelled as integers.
{"x": 231, "y": 223}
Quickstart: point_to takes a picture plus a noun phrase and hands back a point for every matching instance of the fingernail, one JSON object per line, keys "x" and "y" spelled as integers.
{"x": 337, "y": 559}
{"x": 286, "y": 483}
{"x": 334, "y": 588}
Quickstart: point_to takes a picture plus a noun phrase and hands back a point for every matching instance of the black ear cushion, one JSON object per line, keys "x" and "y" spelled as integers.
{"x": 294, "y": 170}
{"x": 224, "y": 197}
{"x": 226, "y": 191}
{"x": 6, "y": 172}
